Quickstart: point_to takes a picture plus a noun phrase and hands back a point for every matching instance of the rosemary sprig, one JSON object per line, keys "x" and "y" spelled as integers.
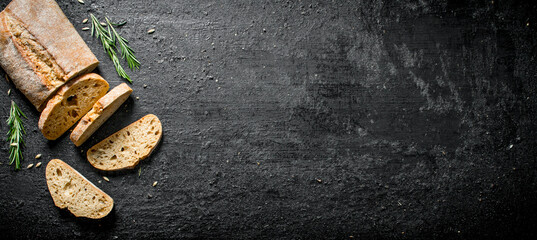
{"x": 108, "y": 37}
{"x": 126, "y": 51}
{"x": 14, "y": 135}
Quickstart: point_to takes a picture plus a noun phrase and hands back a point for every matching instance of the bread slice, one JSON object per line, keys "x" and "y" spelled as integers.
{"x": 69, "y": 189}
{"x": 72, "y": 101}
{"x": 101, "y": 111}
{"x": 40, "y": 49}
{"x": 125, "y": 148}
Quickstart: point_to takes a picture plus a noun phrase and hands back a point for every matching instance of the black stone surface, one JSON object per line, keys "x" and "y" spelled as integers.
{"x": 306, "y": 119}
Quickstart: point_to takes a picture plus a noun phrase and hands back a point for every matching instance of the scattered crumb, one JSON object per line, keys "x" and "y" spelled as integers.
{"x": 106, "y": 179}
{"x": 85, "y": 28}
{"x": 38, "y": 156}
{"x": 155, "y": 183}
{"x": 152, "y": 30}
{"x": 149, "y": 196}
{"x": 319, "y": 180}
{"x": 145, "y": 85}
{"x": 38, "y": 165}
{"x": 8, "y": 92}
{"x": 30, "y": 165}
{"x": 137, "y": 98}
{"x": 85, "y": 20}
{"x": 81, "y": 1}
{"x": 99, "y": 181}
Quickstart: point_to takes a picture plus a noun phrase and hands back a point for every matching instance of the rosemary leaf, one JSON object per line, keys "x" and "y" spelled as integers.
{"x": 109, "y": 36}
{"x": 14, "y": 135}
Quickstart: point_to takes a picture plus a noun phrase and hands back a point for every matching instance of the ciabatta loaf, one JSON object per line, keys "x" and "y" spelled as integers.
{"x": 101, "y": 111}
{"x": 72, "y": 101}
{"x": 40, "y": 49}
{"x": 69, "y": 189}
{"x": 125, "y": 148}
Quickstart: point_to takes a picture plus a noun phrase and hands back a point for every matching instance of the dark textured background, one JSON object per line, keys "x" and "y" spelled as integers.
{"x": 307, "y": 119}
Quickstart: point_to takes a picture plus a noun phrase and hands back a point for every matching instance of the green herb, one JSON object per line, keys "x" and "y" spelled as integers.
{"x": 108, "y": 37}
{"x": 14, "y": 135}
{"x": 126, "y": 51}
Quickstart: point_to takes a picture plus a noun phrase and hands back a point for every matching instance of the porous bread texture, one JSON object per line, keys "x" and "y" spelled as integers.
{"x": 69, "y": 189}
{"x": 72, "y": 101}
{"x": 101, "y": 111}
{"x": 128, "y": 146}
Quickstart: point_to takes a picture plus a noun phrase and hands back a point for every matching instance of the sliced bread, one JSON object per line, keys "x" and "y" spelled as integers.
{"x": 101, "y": 111}
{"x": 125, "y": 148}
{"x": 69, "y": 189}
{"x": 72, "y": 101}
{"x": 40, "y": 49}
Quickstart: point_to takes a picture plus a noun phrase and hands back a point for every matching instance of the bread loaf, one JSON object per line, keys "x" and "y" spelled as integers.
{"x": 69, "y": 189}
{"x": 40, "y": 49}
{"x": 127, "y": 147}
{"x": 72, "y": 101}
{"x": 101, "y": 111}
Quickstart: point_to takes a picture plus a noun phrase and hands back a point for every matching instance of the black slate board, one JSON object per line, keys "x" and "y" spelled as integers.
{"x": 307, "y": 119}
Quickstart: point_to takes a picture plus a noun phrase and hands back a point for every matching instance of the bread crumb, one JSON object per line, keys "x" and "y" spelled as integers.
{"x": 155, "y": 183}
{"x": 106, "y": 179}
{"x": 38, "y": 156}
{"x": 81, "y": 1}
{"x": 137, "y": 98}
{"x": 30, "y": 165}
{"x": 8, "y": 92}
{"x": 145, "y": 85}
{"x": 319, "y": 180}
{"x": 152, "y": 30}
{"x": 38, "y": 164}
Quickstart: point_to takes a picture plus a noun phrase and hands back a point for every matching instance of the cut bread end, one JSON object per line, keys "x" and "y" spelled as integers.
{"x": 72, "y": 101}
{"x": 101, "y": 111}
{"x": 69, "y": 189}
{"x": 128, "y": 146}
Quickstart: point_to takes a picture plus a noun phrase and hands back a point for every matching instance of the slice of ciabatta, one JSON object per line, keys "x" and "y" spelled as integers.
{"x": 69, "y": 189}
{"x": 101, "y": 111}
{"x": 125, "y": 148}
{"x": 72, "y": 101}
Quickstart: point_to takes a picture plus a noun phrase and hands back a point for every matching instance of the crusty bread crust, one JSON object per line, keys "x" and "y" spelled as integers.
{"x": 72, "y": 101}
{"x": 101, "y": 111}
{"x": 128, "y": 146}
{"x": 69, "y": 189}
{"x": 43, "y": 23}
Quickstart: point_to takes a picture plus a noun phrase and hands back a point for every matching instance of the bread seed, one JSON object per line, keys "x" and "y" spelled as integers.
{"x": 155, "y": 183}
{"x": 152, "y": 30}
{"x": 85, "y": 28}
{"x": 38, "y": 156}
{"x": 106, "y": 179}
{"x": 38, "y": 164}
{"x": 81, "y": 1}
{"x": 8, "y": 92}
{"x": 85, "y": 20}
{"x": 14, "y": 144}
{"x": 30, "y": 165}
